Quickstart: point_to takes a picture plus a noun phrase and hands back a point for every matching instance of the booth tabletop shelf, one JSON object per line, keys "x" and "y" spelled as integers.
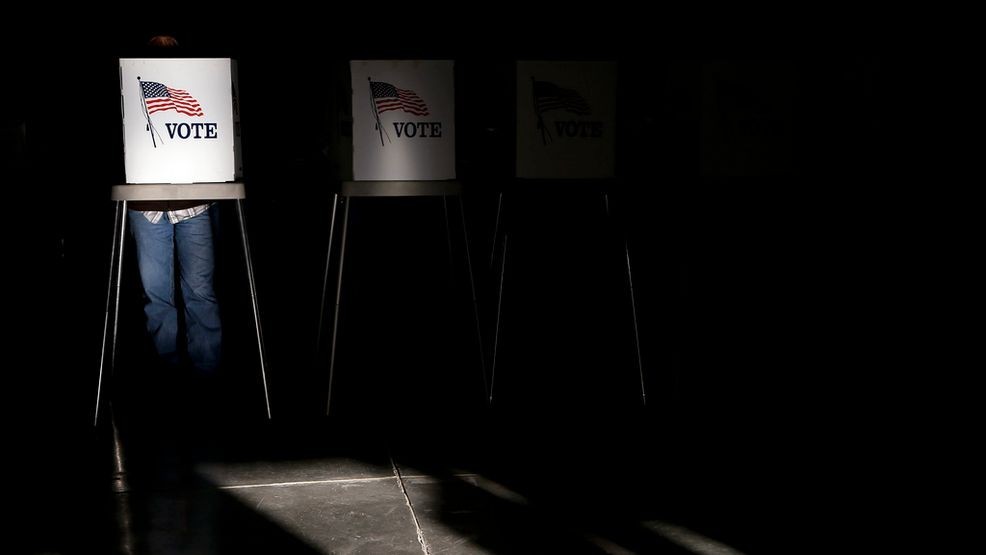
{"x": 400, "y": 188}
{"x": 178, "y": 191}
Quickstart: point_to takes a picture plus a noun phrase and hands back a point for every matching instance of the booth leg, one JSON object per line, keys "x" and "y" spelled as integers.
{"x": 116, "y": 264}
{"x": 325, "y": 280}
{"x": 475, "y": 303}
{"x": 253, "y": 301}
{"x": 335, "y": 318}
{"x": 633, "y": 306}
{"x": 499, "y": 313}
{"x": 496, "y": 228}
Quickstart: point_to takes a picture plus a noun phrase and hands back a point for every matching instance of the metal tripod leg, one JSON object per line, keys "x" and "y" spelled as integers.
{"x": 499, "y": 312}
{"x": 496, "y": 228}
{"x": 116, "y": 262}
{"x": 325, "y": 280}
{"x": 633, "y": 307}
{"x": 335, "y": 319}
{"x": 253, "y": 300}
{"x": 475, "y": 303}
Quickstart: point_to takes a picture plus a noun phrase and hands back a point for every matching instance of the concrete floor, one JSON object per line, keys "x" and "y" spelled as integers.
{"x": 497, "y": 487}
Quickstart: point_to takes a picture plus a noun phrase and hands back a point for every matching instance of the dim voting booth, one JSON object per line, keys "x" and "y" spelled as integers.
{"x": 181, "y": 143}
{"x": 403, "y": 146}
{"x": 566, "y": 122}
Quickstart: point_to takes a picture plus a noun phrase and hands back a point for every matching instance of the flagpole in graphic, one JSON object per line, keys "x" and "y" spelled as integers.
{"x": 150, "y": 126}
{"x": 541, "y": 126}
{"x": 373, "y": 104}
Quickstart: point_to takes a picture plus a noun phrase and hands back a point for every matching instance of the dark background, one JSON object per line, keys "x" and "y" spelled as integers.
{"x": 790, "y": 206}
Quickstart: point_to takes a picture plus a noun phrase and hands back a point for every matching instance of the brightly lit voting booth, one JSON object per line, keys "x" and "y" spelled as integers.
{"x": 181, "y": 143}
{"x": 566, "y": 123}
{"x": 403, "y": 115}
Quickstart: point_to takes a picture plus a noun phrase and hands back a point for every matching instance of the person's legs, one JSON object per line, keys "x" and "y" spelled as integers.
{"x": 155, "y": 259}
{"x": 196, "y": 265}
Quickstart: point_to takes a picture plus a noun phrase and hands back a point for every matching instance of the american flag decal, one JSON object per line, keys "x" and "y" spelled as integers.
{"x": 388, "y": 97}
{"x": 158, "y": 98}
{"x": 548, "y": 96}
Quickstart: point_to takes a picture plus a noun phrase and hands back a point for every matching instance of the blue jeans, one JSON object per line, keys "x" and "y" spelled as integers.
{"x": 157, "y": 244}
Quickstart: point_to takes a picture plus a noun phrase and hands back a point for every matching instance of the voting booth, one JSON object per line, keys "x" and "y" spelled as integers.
{"x": 566, "y": 120}
{"x": 403, "y": 114}
{"x": 181, "y": 142}
{"x": 177, "y": 120}
{"x": 566, "y": 135}
{"x": 403, "y": 120}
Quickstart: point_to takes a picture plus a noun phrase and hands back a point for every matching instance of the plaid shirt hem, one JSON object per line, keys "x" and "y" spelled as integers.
{"x": 175, "y": 216}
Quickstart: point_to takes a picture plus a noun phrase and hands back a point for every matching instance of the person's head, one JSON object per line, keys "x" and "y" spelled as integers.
{"x": 161, "y": 46}
{"x": 162, "y": 41}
